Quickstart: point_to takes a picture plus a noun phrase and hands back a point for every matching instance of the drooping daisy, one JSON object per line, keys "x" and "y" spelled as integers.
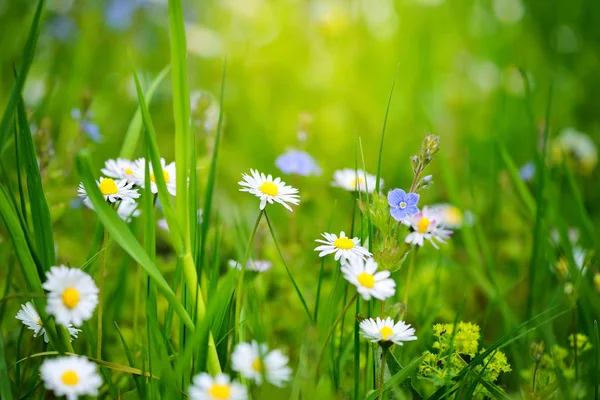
{"x": 352, "y": 180}
{"x": 449, "y": 215}
{"x": 269, "y": 190}
{"x": 385, "y": 330}
{"x": 112, "y": 190}
{"x": 252, "y": 265}
{"x": 205, "y": 387}
{"x": 29, "y": 317}
{"x": 577, "y": 148}
{"x": 120, "y": 168}
{"x": 426, "y": 224}
{"x": 368, "y": 282}
{"x": 254, "y": 361}
{"x": 343, "y": 247}
{"x": 169, "y": 172}
{"x": 402, "y": 204}
{"x": 73, "y": 295}
{"x": 297, "y": 162}
{"x": 71, "y": 376}
{"x": 128, "y": 210}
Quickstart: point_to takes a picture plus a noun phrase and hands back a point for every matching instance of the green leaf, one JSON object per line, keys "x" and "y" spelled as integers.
{"x": 135, "y": 126}
{"x": 398, "y": 378}
{"x": 40, "y": 212}
{"x": 28, "y": 53}
{"x": 123, "y": 236}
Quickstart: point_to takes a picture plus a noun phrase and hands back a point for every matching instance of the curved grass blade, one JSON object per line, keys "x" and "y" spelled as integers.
{"x": 398, "y": 378}
{"x": 139, "y": 383}
{"x": 387, "y": 111}
{"x": 123, "y": 236}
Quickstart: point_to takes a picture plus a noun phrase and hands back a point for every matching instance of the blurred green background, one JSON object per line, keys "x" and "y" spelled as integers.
{"x": 316, "y": 75}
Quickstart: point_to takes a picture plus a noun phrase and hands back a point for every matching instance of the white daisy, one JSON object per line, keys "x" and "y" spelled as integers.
{"x": 128, "y": 210}
{"x": 343, "y": 247}
{"x": 29, "y": 317}
{"x": 426, "y": 224}
{"x": 169, "y": 172}
{"x": 252, "y": 265}
{"x": 72, "y": 297}
{"x": 368, "y": 283}
{"x": 112, "y": 190}
{"x": 71, "y": 376}
{"x": 351, "y": 180}
{"x": 120, "y": 168}
{"x": 204, "y": 387}
{"x": 254, "y": 361}
{"x": 384, "y": 330}
{"x": 269, "y": 190}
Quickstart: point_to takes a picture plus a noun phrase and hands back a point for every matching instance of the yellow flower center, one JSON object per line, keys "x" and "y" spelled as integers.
{"x": 386, "y": 332}
{"x": 402, "y": 204}
{"x": 70, "y": 297}
{"x": 359, "y": 181}
{"x": 128, "y": 171}
{"x": 344, "y": 243}
{"x": 423, "y": 225}
{"x": 258, "y": 365}
{"x": 269, "y": 188}
{"x": 454, "y": 216}
{"x": 367, "y": 280}
{"x": 220, "y": 391}
{"x": 108, "y": 186}
{"x": 70, "y": 378}
{"x": 165, "y": 174}
{"x": 39, "y": 321}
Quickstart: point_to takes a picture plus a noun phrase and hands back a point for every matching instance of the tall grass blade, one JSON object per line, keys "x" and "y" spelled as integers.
{"x": 399, "y": 377}
{"x": 387, "y": 111}
{"x": 5, "y": 383}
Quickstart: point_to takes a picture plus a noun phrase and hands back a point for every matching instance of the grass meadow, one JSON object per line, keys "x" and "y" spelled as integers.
{"x": 353, "y": 199}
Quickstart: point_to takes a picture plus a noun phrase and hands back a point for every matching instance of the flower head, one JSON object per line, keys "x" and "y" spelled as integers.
{"x": 71, "y": 376}
{"x": 426, "y": 224}
{"x": 120, "y": 168}
{"x": 368, "y": 282}
{"x": 385, "y": 330}
{"x": 252, "y": 265}
{"x": 353, "y": 180}
{"x": 402, "y": 204}
{"x": 29, "y": 317}
{"x": 343, "y": 247}
{"x": 112, "y": 190}
{"x": 255, "y": 361}
{"x": 205, "y": 387}
{"x": 72, "y": 297}
{"x": 451, "y": 216}
{"x": 577, "y": 148}
{"x": 269, "y": 190}
{"x": 168, "y": 170}
{"x": 128, "y": 210}
{"x": 297, "y": 162}
{"x": 527, "y": 171}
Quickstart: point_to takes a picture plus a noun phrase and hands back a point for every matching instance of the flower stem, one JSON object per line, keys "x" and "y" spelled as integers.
{"x": 238, "y": 295}
{"x": 411, "y": 266}
{"x": 101, "y": 293}
{"x": 382, "y": 371}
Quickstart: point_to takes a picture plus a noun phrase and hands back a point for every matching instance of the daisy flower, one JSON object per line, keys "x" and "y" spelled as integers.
{"x": 253, "y": 361}
{"x": 385, "y": 330}
{"x": 343, "y": 247}
{"x": 72, "y": 297}
{"x": 352, "y": 180}
{"x": 269, "y": 190}
{"x": 402, "y": 204}
{"x": 369, "y": 283}
{"x": 128, "y": 210}
{"x": 31, "y": 319}
{"x": 426, "y": 224}
{"x": 297, "y": 162}
{"x": 71, "y": 376}
{"x": 450, "y": 216}
{"x": 112, "y": 190}
{"x": 169, "y": 172}
{"x": 120, "y": 168}
{"x": 205, "y": 387}
{"x": 252, "y": 265}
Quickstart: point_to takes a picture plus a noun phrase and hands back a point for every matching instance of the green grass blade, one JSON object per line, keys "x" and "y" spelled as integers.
{"x": 398, "y": 378}
{"x": 5, "y": 383}
{"x": 40, "y": 212}
{"x": 286, "y": 267}
{"x": 513, "y": 172}
{"x": 19, "y": 168}
{"x": 387, "y": 111}
{"x": 28, "y": 54}
{"x": 136, "y": 379}
{"x": 123, "y": 236}
{"x": 134, "y": 130}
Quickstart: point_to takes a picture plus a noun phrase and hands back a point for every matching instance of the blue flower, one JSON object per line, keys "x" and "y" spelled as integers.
{"x": 402, "y": 204}
{"x": 527, "y": 171}
{"x": 297, "y": 162}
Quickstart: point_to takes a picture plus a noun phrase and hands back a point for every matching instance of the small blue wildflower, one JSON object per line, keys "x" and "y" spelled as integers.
{"x": 402, "y": 204}
{"x": 298, "y": 163}
{"x": 91, "y": 129}
{"x": 120, "y": 13}
{"x": 527, "y": 171}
